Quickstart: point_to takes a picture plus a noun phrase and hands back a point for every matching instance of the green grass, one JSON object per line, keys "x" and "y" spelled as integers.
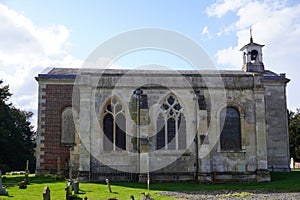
{"x": 94, "y": 191}
{"x": 289, "y": 182}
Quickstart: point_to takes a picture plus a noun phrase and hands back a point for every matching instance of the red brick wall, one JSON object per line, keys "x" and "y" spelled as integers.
{"x": 57, "y": 98}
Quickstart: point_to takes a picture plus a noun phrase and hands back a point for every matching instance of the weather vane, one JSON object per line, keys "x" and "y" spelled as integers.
{"x": 251, "y": 39}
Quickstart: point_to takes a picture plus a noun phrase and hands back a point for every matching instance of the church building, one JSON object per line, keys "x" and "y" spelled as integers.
{"x": 204, "y": 125}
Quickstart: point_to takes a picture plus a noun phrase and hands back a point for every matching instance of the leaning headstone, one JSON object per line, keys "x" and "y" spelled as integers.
{"x": 26, "y": 179}
{"x": 2, "y": 189}
{"x": 108, "y": 185}
{"x": 46, "y": 193}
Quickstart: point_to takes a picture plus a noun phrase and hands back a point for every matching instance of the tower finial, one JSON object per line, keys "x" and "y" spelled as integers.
{"x": 251, "y": 39}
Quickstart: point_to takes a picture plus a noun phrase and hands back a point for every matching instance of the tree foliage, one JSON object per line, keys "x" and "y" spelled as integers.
{"x": 294, "y": 134}
{"x": 17, "y": 137}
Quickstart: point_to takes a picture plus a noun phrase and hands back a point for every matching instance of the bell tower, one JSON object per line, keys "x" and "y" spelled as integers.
{"x": 252, "y": 56}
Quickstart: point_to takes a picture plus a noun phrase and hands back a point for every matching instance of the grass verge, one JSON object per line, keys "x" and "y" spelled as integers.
{"x": 288, "y": 182}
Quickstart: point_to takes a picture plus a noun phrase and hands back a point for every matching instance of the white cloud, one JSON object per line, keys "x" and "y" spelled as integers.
{"x": 25, "y": 50}
{"x": 221, "y": 7}
{"x": 225, "y": 56}
{"x": 278, "y": 27}
{"x": 205, "y": 33}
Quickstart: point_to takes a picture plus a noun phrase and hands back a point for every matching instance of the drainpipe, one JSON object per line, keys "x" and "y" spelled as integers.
{"x": 138, "y": 92}
{"x": 196, "y": 92}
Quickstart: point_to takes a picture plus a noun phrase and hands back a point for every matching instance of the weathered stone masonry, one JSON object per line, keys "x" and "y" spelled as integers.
{"x": 254, "y": 98}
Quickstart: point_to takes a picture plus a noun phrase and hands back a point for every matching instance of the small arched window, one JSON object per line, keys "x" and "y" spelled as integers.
{"x": 230, "y": 127}
{"x": 114, "y": 126}
{"x": 171, "y": 126}
{"x": 68, "y": 129}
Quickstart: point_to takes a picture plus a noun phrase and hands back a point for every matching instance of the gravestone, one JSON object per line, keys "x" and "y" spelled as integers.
{"x": 2, "y": 189}
{"x": 46, "y": 193}
{"x": 108, "y": 185}
{"x": 76, "y": 187}
{"x": 70, "y": 170}
{"x": 59, "y": 173}
{"x": 68, "y": 190}
{"x": 22, "y": 185}
{"x": 27, "y": 166}
{"x": 27, "y": 173}
{"x": 292, "y": 163}
{"x": 70, "y": 175}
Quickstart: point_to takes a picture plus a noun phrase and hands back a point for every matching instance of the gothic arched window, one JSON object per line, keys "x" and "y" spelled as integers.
{"x": 230, "y": 127}
{"x": 114, "y": 126}
{"x": 171, "y": 126}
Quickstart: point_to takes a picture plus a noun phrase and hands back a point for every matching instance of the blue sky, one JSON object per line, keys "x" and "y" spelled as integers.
{"x": 39, "y": 34}
{"x": 92, "y": 22}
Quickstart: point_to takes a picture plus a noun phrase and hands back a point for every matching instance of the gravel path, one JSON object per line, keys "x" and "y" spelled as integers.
{"x": 233, "y": 195}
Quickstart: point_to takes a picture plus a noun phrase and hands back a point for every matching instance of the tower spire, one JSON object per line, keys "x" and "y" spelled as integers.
{"x": 251, "y": 39}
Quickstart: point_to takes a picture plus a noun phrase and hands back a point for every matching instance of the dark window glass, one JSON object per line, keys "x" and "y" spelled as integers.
{"x": 201, "y": 102}
{"x": 160, "y": 137}
{"x": 164, "y": 107}
{"x": 181, "y": 132}
{"x": 177, "y": 107}
{"x": 171, "y": 133}
{"x": 171, "y": 100}
{"x": 120, "y": 132}
{"x": 144, "y": 102}
{"x": 108, "y": 132}
{"x": 230, "y": 129}
{"x": 109, "y": 108}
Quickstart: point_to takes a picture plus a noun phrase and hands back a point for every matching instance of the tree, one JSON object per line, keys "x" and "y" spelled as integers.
{"x": 294, "y": 134}
{"x": 17, "y": 137}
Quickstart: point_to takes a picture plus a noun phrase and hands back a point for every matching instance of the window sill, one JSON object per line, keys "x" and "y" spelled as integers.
{"x": 114, "y": 152}
{"x": 171, "y": 152}
{"x": 232, "y": 151}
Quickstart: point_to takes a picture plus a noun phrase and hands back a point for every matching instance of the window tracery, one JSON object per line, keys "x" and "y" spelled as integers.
{"x": 171, "y": 126}
{"x": 114, "y": 126}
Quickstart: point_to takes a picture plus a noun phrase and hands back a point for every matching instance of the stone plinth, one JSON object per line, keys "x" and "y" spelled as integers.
{"x": 2, "y": 189}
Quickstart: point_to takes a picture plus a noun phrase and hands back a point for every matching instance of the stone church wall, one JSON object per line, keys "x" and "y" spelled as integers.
{"x": 276, "y": 127}
{"x": 260, "y": 102}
